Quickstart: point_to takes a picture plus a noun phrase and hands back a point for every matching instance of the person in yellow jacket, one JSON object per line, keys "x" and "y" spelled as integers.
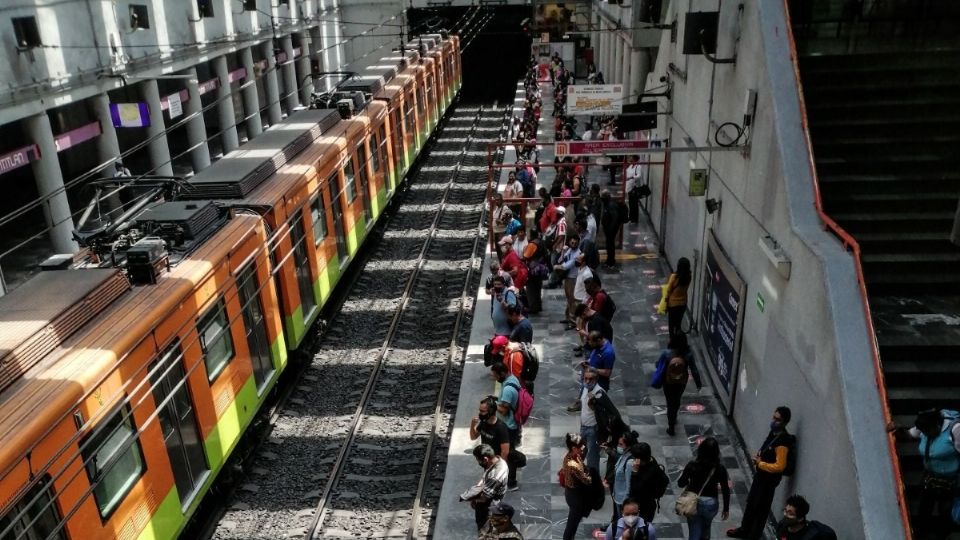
{"x": 674, "y": 300}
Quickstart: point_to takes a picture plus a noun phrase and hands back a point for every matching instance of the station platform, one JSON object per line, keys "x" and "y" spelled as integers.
{"x": 639, "y": 335}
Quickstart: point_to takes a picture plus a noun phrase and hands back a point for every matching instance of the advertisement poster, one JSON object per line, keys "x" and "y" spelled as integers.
{"x": 721, "y": 317}
{"x": 594, "y": 99}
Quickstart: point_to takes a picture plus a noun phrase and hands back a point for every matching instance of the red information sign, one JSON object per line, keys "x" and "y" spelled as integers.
{"x": 598, "y": 148}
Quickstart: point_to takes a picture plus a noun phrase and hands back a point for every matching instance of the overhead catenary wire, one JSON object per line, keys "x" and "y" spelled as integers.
{"x": 274, "y": 240}
{"x": 272, "y": 245}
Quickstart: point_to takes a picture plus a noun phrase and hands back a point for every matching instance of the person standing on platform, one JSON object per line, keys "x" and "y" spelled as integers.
{"x": 537, "y": 271}
{"x": 676, "y": 295}
{"x": 795, "y": 526}
{"x": 629, "y": 526}
{"x": 648, "y": 480}
{"x": 506, "y": 405}
{"x": 707, "y": 476}
{"x": 497, "y": 210}
{"x": 675, "y": 379}
{"x": 771, "y": 462}
{"x": 575, "y": 479}
{"x": 617, "y": 477}
{"x": 610, "y": 221}
{"x": 602, "y": 358}
{"x": 500, "y": 525}
{"x": 566, "y": 269}
{"x": 501, "y": 299}
{"x": 583, "y": 273}
{"x": 490, "y": 429}
{"x": 633, "y": 174}
{"x": 492, "y": 485}
{"x": 510, "y": 263}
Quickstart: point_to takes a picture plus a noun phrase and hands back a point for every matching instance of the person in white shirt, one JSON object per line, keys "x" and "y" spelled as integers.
{"x": 634, "y": 174}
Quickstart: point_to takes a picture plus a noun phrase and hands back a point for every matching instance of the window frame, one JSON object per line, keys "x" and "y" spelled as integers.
{"x": 320, "y": 218}
{"x": 373, "y": 150}
{"x": 26, "y": 31}
{"x": 45, "y": 487}
{"x": 350, "y": 179}
{"x": 220, "y": 306}
{"x": 90, "y": 467}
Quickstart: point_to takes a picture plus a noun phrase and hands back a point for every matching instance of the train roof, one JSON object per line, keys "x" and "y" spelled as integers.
{"x": 240, "y": 172}
{"x": 78, "y": 364}
{"x": 46, "y": 310}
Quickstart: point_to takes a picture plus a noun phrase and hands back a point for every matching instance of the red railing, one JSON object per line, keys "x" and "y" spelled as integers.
{"x": 851, "y": 244}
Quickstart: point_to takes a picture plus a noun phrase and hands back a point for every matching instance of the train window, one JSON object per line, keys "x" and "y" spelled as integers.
{"x": 420, "y": 100}
{"x": 382, "y": 153}
{"x": 319, "y": 217}
{"x": 215, "y": 339}
{"x": 374, "y": 155}
{"x": 255, "y": 325}
{"x": 301, "y": 264}
{"x": 113, "y": 460}
{"x": 35, "y": 517}
{"x": 349, "y": 186}
{"x": 364, "y": 181}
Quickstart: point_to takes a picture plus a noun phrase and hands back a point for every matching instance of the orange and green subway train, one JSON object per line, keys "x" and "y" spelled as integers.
{"x": 125, "y": 388}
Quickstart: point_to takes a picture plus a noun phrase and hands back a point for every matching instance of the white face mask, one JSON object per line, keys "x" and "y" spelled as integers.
{"x": 630, "y": 521}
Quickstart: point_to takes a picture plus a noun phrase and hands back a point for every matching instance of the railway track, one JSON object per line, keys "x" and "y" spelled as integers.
{"x": 358, "y": 448}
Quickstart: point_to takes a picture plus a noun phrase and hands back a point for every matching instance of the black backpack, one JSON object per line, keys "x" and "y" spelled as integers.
{"x": 641, "y": 533}
{"x": 819, "y": 531}
{"x": 791, "y": 467}
{"x": 531, "y": 362}
{"x": 659, "y": 482}
{"x": 609, "y": 308}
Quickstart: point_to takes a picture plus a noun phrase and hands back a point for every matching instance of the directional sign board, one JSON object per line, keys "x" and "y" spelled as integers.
{"x": 598, "y": 148}
{"x": 594, "y": 99}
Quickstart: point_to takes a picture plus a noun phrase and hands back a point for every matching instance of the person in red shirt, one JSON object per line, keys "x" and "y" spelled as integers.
{"x": 510, "y": 262}
{"x": 597, "y": 297}
{"x": 549, "y": 212}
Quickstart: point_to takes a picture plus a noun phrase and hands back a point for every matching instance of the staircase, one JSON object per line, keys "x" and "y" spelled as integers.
{"x": 885, "y": 129}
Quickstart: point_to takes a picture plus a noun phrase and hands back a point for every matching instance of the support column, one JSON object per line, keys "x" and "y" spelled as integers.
{"x": 316, "y": 52}
{"x": 604, "y": 50}
{"x": 49, "y": 178}
{"x": 251, "y": 100}
{"x": 159, "y": 151}
{"x": 196, "y": 128}
{"x": 270, "y": 85}
{"x": 225, "y": 113}
{"x": 303, "y": 70}
{"x": 595, "y": 35}
{"x": 638, "y": 75}
{"x": 627, "y": 76}
{"x": 618, "y": 58}
{"x": 108, "y": 147}
{"x": 291, "y": 95}
{"x": 610, "y": 51}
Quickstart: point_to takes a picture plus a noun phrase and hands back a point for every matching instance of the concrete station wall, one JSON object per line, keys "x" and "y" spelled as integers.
{"x": 807, "y": 347}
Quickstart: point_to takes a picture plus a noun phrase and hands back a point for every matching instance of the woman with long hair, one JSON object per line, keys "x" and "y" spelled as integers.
{"x": 619, "y": 468}
{"x": 706, "y": 475}
{"x": 574, "y": 477}
{"x": 676, "y": 295}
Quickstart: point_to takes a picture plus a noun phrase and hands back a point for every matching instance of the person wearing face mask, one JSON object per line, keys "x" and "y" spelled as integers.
{"x": 617, "y": 477}
{"x": 648, "y": 480}
{"x": 631, "y": 526}
{"x": 490, "y": 429}
{"x": 506, "y": 405}
{"x": 574, "y": 478}
{"x": 492, "y": 485}
{"x": 771, "y": 462}
{"x": 500, "y": 525}
{"x": 501, "y": 298}
{"x": 795, "y": 526}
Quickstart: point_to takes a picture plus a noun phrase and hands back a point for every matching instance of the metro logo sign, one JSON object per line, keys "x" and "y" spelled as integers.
{"x": 598, "y": 148}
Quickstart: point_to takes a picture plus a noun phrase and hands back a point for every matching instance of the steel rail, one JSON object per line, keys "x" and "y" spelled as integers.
{"x": 354, "y": 427}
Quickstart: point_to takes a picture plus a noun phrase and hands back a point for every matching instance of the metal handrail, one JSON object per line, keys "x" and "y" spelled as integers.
{"x": 851, "y": 244}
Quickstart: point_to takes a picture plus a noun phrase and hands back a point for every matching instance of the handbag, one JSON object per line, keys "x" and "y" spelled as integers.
{"x": 686, "y": 504}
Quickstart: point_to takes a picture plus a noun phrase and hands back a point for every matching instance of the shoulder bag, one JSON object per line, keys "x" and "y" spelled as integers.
{"x": 686, "y": 504}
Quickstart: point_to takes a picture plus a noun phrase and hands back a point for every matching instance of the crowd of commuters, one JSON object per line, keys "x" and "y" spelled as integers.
{"x": 605, "y": 456}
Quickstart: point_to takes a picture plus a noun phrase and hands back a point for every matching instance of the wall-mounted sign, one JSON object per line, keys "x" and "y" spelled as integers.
{"x": 721, "y": 316}
{"x": 130, "y": 114}
{"x": 599, "y": 148}
{"x": 545, "y": 37}
{"x": 174, "y": 105}
{"x": 594, "y": 99}
{"x": 698, "y": 182}
{"x": 19, "y": 158}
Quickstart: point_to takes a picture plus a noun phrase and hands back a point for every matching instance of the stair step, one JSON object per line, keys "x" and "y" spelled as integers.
{"x": 907, "y": 283}
{"x": 892, "y": 109}
{"x": 905, "y": 242}
{"x": 923, "y": 258}
{"x": 881, "y": 93}
{"x": 891, "y": 61}
{"x": 913, "y": 399}
{"x": 884, "y": 163}
{"x": 827, "y": 129}
{"x": 929, "y": 373}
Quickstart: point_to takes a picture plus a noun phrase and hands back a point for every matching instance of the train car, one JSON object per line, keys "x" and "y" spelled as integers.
{"x": 125, "y": 389}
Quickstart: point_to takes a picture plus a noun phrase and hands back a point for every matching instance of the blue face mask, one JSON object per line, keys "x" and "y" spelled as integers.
{"x": 620, "y": 450}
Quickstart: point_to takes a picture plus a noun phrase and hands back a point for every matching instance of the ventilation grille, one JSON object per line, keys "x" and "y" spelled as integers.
{"x": 44, "y": 312}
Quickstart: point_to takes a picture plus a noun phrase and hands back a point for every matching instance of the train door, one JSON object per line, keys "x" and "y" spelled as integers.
{"x": 301, "y": 265}
{"x": 334, "y": 183}
{"x": 255, "y": 325}
{"x": 178, "y": 421}
{"x": 398, "y": 145}
{"x": 277, "y": 280}
{"x": 364, "y": 182}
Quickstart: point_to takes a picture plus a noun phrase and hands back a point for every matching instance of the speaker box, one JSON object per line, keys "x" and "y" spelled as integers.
{"x": 639, "y": 123}
{"x": 695, "y": 23}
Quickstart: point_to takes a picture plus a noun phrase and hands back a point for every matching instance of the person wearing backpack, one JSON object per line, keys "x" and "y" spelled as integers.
{"x": 939, "y": 433}
{"x": 632, "y": 526}
{"x": 617, "y": 477}
{"x": 677, "y": 347}
{"x": 776, "y": 458}
{"x": 706, "y": 476}
{"x": 521, "y": 329}
{"x": 675, "y": 379}
{"x": 648, "y": 480}
{"x": 795, "y": 526}
{"x": 513, "y": 407}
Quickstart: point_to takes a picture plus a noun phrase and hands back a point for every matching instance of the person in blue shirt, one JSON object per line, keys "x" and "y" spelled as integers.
{"x": 501, "y": 299}
{"x": 506, "y": 405}
{"x": 602, "y": 358}
{"x": 511, "y": 224}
